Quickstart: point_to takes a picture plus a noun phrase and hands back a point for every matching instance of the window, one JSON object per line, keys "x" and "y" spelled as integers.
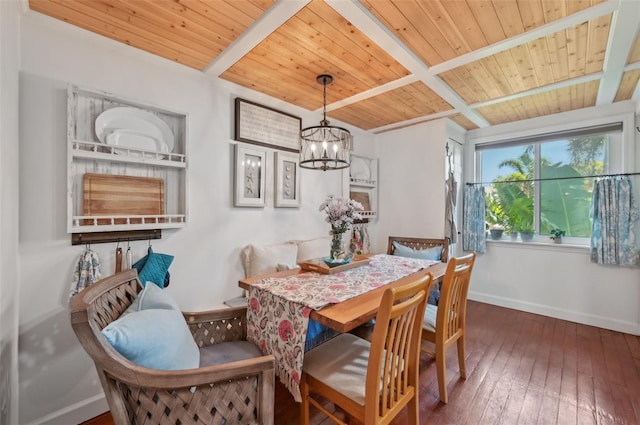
{"x": 534, "y": 186}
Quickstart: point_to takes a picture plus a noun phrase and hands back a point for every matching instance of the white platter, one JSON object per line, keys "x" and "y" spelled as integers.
{"x": 359, "y": 169}
{"x": 135, "y": 140}
{"x": 134, "y": 128}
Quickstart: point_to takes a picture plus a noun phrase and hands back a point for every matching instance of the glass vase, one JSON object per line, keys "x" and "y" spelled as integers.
{"x": 337, "y": 251}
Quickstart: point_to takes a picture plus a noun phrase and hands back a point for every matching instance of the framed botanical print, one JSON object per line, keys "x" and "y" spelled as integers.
{"x": 287, "y": 180}
{"x": 249, "y": 177}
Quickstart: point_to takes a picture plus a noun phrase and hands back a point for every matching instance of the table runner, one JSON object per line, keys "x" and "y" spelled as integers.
{"x": 279, "y": 308}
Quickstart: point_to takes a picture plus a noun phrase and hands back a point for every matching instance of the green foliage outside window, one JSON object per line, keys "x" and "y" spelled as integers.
{"x": 564, "y": 202}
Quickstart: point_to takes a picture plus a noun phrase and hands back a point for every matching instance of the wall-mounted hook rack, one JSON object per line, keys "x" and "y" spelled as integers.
{"x": 107, "y": 237}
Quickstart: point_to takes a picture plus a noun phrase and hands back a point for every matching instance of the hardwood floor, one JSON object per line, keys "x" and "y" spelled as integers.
{"x": 523, "y": 368}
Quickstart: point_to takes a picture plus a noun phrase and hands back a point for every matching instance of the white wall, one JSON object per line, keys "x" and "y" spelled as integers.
{"x": 10, "y": 12}
{"x": 411, "y": 188}
{"x": 57, "y": 381}
{"x": 559, "y": 281}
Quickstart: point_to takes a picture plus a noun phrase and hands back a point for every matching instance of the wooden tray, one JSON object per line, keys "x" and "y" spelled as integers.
{"x": 319, "y": 266}
{"x": 113, "y": 195}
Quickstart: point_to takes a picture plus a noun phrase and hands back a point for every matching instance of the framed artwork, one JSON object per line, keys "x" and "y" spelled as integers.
{"x": 287, "y": 180}
{"x": 250, "y": 177}
{"x": 261, "y": 125}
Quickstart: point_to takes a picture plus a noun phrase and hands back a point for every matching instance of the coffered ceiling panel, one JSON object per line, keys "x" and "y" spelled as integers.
{"x": 628, "y": 85}
{"x": 395, "y": 62}
{"x": 547, "y": 103}
{"x": 440, "y": 30}
{"x": 566, "y": 54}
{"x": 190, "y": 32}
{"x": 463, "y": 122}
{"x": 315, "y": 41}
{"x": 634, "y": 55}
{"x": 402, "y": 104}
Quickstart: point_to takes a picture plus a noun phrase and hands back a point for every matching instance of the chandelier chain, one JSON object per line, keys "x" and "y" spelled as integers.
{"x": 324, "y": 101}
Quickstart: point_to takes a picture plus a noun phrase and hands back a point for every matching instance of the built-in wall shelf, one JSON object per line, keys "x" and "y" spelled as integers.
{"x": 137, "y": 156}
{"x": 91, "y": 150}
{"x": 362, "y": 185}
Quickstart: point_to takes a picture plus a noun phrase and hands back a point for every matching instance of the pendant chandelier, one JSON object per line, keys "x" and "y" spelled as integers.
{"x": 325, "y": 147}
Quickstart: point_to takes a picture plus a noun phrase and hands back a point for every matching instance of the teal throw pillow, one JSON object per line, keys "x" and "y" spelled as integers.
{"x": 152, "y": 296}
{"x": 434, "y": 253}
{"x": 155, "y": 338}
{"x": 155, "y": 269}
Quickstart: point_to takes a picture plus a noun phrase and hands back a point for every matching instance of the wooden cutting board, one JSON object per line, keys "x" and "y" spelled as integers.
{"x": 105, "y": 194}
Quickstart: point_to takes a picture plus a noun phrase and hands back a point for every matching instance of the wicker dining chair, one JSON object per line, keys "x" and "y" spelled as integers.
{"x": 445, "y": 324}
{"x": 371, "y": 382}
{"x": 236, "y": 392}
{"x": 419, "y": 244}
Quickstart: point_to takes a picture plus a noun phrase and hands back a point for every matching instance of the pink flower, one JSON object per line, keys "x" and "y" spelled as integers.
{"x": 254, "y": 304}
{"x": 295, "y": 376}
{"x": 306, "y": 312}
{"x": 341, "y": 212}
{"x": 285, "y": 330}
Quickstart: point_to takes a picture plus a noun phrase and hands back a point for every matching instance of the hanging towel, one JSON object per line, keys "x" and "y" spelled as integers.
{"x": 450, "y": 228}
{"x": 86, "y": 272}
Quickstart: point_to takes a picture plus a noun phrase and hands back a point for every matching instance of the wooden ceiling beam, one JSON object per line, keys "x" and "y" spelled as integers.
{"x": 392, "y": 85}
{"x": 270, "y": 21}
{"x": 625, "y": 19}
{"x": 539, "y": 32}
{"x": 425, "y": 118}
{"x": 364, "y": 20}
{"x": 538, "y": 90}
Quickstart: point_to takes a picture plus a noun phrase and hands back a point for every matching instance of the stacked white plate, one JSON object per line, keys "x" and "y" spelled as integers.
{"x": 133, "y": 128}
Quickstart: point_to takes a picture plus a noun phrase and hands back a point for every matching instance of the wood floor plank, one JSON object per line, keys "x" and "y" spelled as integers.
{"x": 521, "y": 369}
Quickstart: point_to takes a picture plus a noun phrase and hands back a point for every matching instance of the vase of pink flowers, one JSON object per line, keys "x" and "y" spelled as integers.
{"x": 341, "y": 214}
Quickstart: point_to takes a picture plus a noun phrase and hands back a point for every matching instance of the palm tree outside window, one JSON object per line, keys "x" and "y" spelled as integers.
{"x": 533, "y": 189}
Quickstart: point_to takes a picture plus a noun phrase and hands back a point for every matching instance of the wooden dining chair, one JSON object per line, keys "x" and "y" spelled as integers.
{"x": 419, "y": 244}
{"x": 371, "y": 382}
{"x": 445, "y": 323}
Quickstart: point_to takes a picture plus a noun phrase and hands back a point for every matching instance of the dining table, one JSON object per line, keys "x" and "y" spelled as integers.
{"x": 347, "y": 315}
{"x": 281, "y": 304}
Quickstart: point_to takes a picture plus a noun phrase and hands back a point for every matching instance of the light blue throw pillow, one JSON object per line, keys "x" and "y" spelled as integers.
{"x": 155, "y": 338}
{"x": 155, "y": 269}
{"x": 434, "y": 253}
{"x": 152, "y": 296}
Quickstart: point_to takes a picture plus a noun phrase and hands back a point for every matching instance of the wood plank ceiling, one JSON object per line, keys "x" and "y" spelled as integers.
{"x": 394, "y": 62}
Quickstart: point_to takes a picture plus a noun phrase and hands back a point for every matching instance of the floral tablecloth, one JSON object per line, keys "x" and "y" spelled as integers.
{"x": 279, "y": 308}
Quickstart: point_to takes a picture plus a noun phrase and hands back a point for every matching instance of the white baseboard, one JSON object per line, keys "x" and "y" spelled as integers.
{"x": 572, "y": 316}
{"x": 76, "y": 413}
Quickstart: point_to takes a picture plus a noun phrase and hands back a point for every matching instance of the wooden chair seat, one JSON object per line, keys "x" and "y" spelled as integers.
{"x": 371, "y": 382}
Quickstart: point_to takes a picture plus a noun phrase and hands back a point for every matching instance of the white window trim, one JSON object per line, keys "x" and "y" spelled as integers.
{"x": 620, "y": 112}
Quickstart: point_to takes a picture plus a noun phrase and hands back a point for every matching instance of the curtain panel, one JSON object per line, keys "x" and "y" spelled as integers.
{"x": 614, "y": 213}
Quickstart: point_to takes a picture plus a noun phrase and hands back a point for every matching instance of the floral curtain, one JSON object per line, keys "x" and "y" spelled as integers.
{"x": 614, "y": 213}
{"x": 473, "y": 226}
